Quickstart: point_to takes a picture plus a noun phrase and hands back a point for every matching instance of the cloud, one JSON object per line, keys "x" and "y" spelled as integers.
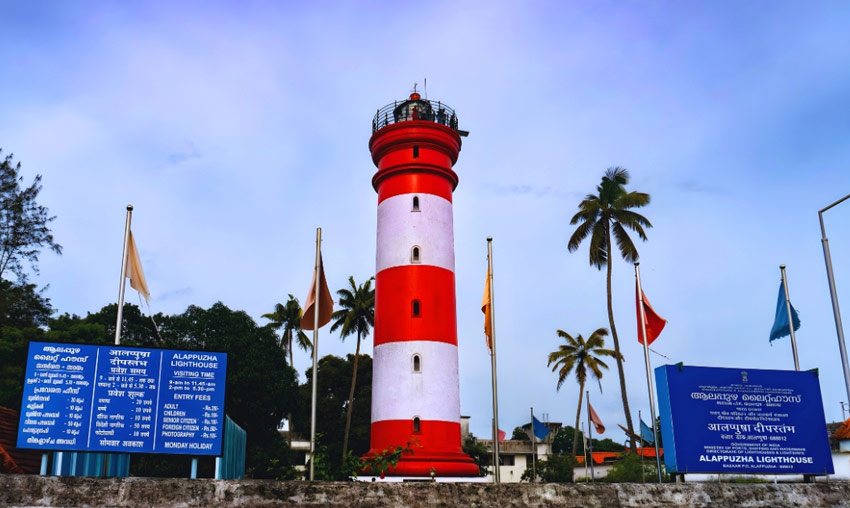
{"x": 186, "y": 152}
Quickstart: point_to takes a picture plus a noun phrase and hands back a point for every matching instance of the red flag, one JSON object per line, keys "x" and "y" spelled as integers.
{"x": 594, "y": 418}
{"x": 654, "y": 322}
{"x": 502, "y": 435}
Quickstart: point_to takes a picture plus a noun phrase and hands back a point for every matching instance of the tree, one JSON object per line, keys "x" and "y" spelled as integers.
{"x": 24, "y": 223}
{"x": 520, "y": 434}
{"x": 552, "y": 469}
{"x": 261, "y": 387}
{"x": 598, "y": 216}
{"x": 478, "y": 452}
{"x": 580, "y": 355}
{"x": 288, "y": 317}
{"x": 334, "y": 375}
{"x": 356, "y": 316}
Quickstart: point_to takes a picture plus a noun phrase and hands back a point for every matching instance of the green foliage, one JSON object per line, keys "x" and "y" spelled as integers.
{"x": 288, "y": 318}
{"x": 137, "y": 329}
{"x": 479, "y": 453}
{"x": 601, "y": 215}
{"x": 331, "y": 405}
{"x": 24, "y": 223}
{"x": 380, "y": 462}
{"x": 261, "y": 387}
{"x": 520, "y": 434}
{"x": 580, "y": 355}
{"x": 553, "y": 469}
{"x": 355, "y": 316}
{"x": 631, "y": 469}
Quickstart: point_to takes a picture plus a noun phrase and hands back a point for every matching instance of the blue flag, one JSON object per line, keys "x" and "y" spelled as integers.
{"x": 540, "y": 430}
{"x": 780, "y": 322}
{"x": 646, "y": 433}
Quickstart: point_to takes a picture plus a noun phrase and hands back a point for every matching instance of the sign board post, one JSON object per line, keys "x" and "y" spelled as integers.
{"x": 719, "y": 420}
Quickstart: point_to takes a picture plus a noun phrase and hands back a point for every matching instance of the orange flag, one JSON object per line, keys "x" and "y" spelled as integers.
{"x": 326, "y": 303}
{"x": 487, "y": 309}
{"x": 134, "y": 270}
{"x": 594, "y": 418}
{"x": 654, "y": 322}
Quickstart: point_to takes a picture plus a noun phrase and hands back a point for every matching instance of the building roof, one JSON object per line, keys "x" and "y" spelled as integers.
{"x": 14, "y": 460}
{"x": 608, "y": 457}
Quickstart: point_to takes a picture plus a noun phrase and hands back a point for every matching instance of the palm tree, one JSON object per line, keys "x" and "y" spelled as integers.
{"x": 610, "y": 210}
{"x": 356, "y": 315}
{"x": 579, "y": 355}
{"x": 288, "y": 317}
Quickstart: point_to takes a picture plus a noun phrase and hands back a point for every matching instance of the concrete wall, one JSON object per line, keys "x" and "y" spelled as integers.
{"x": 31, "y": 491}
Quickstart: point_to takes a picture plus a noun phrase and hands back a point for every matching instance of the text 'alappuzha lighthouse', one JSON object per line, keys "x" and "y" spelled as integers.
{"x": 415, "y": 391}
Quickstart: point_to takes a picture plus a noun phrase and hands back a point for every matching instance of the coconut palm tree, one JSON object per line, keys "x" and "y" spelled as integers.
{"x": 288, "y": 317}
{"x": 580, "y": 355}
{"x": 355, "y": 316}
{"x": 600, "y": 215}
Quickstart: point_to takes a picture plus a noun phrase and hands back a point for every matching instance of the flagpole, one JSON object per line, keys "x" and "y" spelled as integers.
{"x": 590, "y": 437}
{"x": 836, "y": 312}
{"x": 648, "y": 368}
{"x": 533, "y": 450}
{"x": 790, "y": 318}
{"x": 315, "y": 353}
{"x": 584, "y": 447}
{"x": 119, "y": 320}
{"x": 497, "y": 477}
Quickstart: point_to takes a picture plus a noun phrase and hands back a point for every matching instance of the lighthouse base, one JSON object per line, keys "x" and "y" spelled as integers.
{"x": 436, "y": 445}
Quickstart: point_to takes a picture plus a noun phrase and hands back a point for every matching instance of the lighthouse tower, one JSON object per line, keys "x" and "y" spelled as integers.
{"x": 415, "y": 390}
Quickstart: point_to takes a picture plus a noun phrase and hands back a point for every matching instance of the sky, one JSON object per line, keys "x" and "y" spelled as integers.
{"x": 237, "y": 128}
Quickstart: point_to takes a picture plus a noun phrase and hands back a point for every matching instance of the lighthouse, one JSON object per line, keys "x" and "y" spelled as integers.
{"x": 415, "y": 389}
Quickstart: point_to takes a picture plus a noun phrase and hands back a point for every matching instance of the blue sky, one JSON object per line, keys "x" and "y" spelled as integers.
{"x": 236, "y": 129}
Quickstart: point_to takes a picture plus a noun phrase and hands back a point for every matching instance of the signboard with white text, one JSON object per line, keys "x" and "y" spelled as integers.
{"x": 718, "y": 420}
{"x": 115, "y": 399}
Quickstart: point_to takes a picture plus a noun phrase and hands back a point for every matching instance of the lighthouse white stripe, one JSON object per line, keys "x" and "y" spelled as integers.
{"x": 399, "y": 393}
{"x": 400, "y": 228}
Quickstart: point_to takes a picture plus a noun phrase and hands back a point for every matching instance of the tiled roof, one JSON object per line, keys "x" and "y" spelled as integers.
{"x": 843, "y": 430}
{"x": 608, "y": 457}
{"x": 14, "y": 460}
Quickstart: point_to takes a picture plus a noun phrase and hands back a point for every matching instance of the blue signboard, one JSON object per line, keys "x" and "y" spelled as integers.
{"x": 115, "y": 399}
{"x": 717, "y": 420}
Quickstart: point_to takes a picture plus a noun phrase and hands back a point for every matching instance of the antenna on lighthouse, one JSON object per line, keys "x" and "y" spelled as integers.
{"x": 426, "y": 89}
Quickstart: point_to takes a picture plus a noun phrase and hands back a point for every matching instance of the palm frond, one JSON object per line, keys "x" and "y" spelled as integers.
{"x": 632, "y": 199}
{"x": 624, "y": 243}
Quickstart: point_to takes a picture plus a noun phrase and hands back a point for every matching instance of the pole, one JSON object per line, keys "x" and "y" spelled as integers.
{"x": 584, "y": 450}
{"x": 648, "y": 368}
{"x": 833, "y": 293}
{"x": 590, "y": 436}
{"x": 43, "y": 470}
{"x": 315, "y": 352}
{"x": 790, "y": 319}
{"x": 119, "y": 321}
{"x": 642, "y": 444}
{"x": 497, "y": 477}
{"x": 533, "y": 450}
{"x": 193, "y": 474}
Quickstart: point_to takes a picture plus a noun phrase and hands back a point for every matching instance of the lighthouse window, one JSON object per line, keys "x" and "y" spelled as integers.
{"x": 417, "y": 426}
{"x": 416, "y": 151}
{"x": 414, "y": 254}
{"x": 416, "y": 363}
{"x": 415, "y": 203}
{"x": 416, "y": 310}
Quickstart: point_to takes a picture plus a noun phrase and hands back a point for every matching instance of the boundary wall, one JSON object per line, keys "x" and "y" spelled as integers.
{"x": 31, "y": 491}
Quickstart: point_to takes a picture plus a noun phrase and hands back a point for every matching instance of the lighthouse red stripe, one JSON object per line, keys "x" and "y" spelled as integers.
{"x": 395, "y": 290}
{"x": 434, "y": 437}
{"x": 409, "y": 182}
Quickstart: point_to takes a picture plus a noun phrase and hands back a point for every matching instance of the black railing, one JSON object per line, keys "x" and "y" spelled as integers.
{"x": 414, "y": 109}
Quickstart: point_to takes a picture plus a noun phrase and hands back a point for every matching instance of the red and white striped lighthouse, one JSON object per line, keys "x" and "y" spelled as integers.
{"x": 415, "y": 390}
